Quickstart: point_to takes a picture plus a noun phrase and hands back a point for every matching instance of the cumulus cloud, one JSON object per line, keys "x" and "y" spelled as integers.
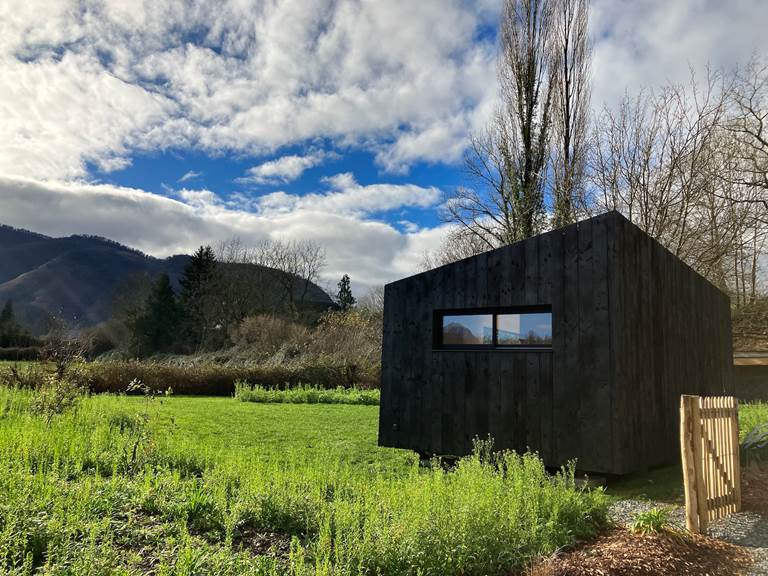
{"x": 90, "y": 82}
{"x": 282, "y": 170}
{"x": 372, "y": 252}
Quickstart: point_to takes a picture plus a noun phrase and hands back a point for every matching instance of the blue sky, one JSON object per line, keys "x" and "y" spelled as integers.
{"x": 165, "y": 172}
{"x": 165, "y": 124}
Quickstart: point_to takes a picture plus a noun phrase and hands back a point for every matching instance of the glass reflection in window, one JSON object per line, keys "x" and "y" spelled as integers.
{"x": 468, "y": 330}
{"x": 529, "y": 329}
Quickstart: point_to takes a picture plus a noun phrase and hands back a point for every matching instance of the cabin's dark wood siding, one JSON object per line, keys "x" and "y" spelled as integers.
{"x": 671, "y": 332}
{"x": 624, "y": 310}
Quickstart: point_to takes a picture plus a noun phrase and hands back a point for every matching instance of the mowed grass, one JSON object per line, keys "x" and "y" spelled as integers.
{"x": 219, "y": 429}
{"x": 199, "y": 486}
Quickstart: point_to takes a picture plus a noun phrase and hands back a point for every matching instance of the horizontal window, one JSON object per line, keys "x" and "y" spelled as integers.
{"x": 490, "y": 329}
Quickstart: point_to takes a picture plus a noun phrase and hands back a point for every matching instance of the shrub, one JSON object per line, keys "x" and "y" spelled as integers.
{"x": 55, "y": 396}
{"x": 351, "y": 339}
{"x": 265, "y": 335}
{"x": 305, "y": 395}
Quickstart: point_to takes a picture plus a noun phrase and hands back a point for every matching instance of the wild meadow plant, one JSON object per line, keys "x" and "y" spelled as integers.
{"x": 304, "y": 394}
{"x": 73, "y": 500}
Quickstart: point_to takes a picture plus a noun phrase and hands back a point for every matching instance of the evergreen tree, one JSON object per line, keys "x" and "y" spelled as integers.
{"x": 156, "y": 328}
{"x": 197, "y": 289}
{"x": 6, "y": 316}
{"x": 344, "y": 298}
{"x": 12, "y": 334}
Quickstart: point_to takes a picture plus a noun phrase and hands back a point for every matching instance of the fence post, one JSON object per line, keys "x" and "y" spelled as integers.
{"x": 693, "y": 477}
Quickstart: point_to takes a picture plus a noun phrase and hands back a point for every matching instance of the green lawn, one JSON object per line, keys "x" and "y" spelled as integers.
{"x": 214, "y": 486}
{"x": 223, "y": 428}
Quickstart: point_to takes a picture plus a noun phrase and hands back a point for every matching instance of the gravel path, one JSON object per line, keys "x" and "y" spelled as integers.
{"x": 745, "y": 528}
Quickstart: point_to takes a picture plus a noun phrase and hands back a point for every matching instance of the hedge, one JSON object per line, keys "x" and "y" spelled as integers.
{"x": 20, "y": 354}
{"x": 215, "y": 380}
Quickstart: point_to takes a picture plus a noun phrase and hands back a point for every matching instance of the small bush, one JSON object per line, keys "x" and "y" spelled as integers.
{"x": 651, "y": 522}
{"x": 55, "y": 396}
{"x": 305, "y": 395}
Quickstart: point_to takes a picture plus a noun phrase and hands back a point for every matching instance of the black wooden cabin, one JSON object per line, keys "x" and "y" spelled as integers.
{"x": 576, "y": 344}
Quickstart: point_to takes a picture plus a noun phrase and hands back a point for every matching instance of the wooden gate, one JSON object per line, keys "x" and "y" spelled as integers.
{"x": 709, "y": 442}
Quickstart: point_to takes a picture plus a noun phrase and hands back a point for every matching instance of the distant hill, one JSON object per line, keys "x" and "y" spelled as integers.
{"x": 74, "y": 279}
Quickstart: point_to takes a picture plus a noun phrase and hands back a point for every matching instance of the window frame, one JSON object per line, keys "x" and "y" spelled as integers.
{"x": 494, "y": 312}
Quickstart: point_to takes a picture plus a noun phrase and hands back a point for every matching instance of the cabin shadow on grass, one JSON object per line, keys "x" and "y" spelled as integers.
{"x": 663, "y": 484}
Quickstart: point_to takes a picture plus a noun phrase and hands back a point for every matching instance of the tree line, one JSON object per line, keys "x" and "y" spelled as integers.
{"x": 219, "y": 289}
{"x": 687, "y": 163}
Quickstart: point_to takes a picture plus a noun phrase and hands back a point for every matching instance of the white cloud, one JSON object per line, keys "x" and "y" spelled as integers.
{"x": 102, "y": 79}
{"x": 282, "y": 170}
{"x": 350, "y": 198}
{"x": 372, "y": 252}
{"x": 646, "y": 43}
{"x": 58, "y": 114}
{"x": 190, "y": 175}
{"x": 88, "y": 82}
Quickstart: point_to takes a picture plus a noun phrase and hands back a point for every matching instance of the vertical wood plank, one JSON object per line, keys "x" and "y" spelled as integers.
{"x": 701, "y": 489}
{"x": 532, "y": 402}
{"x": 688, "y": 440}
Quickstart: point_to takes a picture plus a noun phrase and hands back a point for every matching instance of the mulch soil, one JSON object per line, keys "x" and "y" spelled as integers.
{"x": 622, "y": 553}
{"x": 754, "y": 489}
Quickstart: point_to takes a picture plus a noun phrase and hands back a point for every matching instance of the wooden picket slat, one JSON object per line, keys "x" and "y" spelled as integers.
{"x": 709, "y": 444}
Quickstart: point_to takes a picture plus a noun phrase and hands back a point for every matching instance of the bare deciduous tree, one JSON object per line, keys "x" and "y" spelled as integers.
{"x": 749, "y": 129}
{"x": 666, "y": 162}
{"x": 373, "y": 300}
{"x": 508, "y": 161}
{"x": 300, "y": 261}
{"x": 572, "y": 55}
{"x": 458, "y": 244}
{"x": 536, "y": 142}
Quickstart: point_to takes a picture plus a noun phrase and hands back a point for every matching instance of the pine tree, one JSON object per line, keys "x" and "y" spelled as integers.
{"x": 344, "y": 298}
{"x": 197, "y": 287}
{"x": 11, "y": 332}
{"x": 156, "y": 329}
{"x": 6, "y": 316}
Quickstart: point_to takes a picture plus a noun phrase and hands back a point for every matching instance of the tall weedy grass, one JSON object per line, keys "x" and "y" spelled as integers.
{"x": 74, "y": 501}
{"x": 753, "y": 432}
{"x": 303, "y": 394}
{"x": 752, "y": 415}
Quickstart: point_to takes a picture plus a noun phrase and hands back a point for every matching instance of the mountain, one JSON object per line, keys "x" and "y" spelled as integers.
{"x": 75, "y": 278}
